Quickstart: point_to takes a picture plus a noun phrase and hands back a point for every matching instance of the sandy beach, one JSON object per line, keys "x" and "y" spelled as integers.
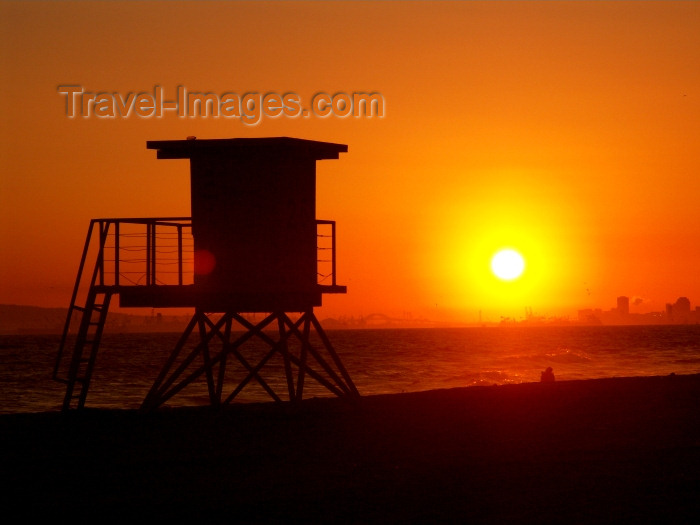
{"x": 622, "y": 450}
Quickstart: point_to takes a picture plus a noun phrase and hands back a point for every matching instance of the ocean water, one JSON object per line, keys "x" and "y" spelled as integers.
{"x": 379, "y": 360}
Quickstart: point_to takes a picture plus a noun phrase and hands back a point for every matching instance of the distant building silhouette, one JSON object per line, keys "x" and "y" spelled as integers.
{"x": 623, "y": 305}
{"x": 679, "y": 312}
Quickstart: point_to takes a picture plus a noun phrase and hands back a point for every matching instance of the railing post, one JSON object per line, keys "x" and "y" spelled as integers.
{"x": 153, "y": 253}
{"x": 148, "y": 253}
{"x": 179, "y": 254}
{"x": 116, "y": 253}
{"x": 333, "y": 252}
{"x": 104, "y": 229}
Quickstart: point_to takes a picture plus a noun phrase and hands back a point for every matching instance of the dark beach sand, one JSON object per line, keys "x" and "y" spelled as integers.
{"x": 624, "y": 450}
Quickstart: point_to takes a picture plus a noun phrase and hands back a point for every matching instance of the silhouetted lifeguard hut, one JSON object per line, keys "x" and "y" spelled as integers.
{"x": 253, "y": 245}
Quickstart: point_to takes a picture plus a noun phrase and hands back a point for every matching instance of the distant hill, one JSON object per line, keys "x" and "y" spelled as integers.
{"x": 20, "y": 319}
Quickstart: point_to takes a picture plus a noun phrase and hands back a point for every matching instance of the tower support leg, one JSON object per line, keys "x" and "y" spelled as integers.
{"x": 230, "y": 352}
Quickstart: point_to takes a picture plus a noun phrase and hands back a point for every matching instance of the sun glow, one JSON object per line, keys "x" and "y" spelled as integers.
{"x": 507, "y": 264}
{"x": 478, "y": 278}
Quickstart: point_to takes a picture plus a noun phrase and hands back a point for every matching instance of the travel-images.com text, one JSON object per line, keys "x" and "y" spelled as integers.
{"x": 250, "y": 108}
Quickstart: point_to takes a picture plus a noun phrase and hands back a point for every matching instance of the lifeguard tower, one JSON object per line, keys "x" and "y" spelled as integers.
{"x": 252, "y": 260}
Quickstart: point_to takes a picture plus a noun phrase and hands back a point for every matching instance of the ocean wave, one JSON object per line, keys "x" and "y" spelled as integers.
{"x": 566, "y": 355}
{"x": 688, "y": 361}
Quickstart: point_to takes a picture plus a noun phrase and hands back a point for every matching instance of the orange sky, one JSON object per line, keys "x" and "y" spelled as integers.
{"x": 567, "y": 130}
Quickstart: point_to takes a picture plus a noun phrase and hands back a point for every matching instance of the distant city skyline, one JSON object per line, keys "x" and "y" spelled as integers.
{"x": 678, "y": 312}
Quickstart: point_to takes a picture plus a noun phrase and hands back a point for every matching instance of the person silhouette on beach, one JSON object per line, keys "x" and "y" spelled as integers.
{"x": 547, "y": 376}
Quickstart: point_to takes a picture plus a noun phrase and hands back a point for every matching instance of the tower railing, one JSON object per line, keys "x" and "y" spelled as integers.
{"x": 326, "y": 252}
{"x": 140, "y": 251}
{"x": 160, "y": 251}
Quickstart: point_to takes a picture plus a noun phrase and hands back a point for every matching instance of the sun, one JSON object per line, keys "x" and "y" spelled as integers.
{"x": 507, "y": 264}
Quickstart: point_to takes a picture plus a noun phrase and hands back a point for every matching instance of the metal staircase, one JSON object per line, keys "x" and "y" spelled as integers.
{"x": 75, "y": 369}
